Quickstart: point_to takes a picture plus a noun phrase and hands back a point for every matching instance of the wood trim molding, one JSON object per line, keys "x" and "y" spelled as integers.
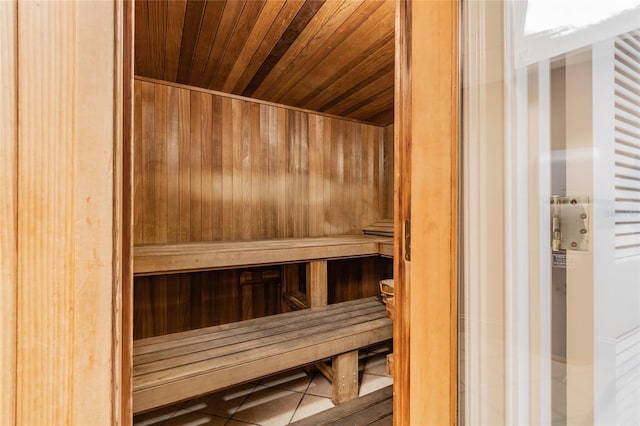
{"x": 254, "y": 100}
{"x": 427, "y": 169}
{"x": 123, "y": 214}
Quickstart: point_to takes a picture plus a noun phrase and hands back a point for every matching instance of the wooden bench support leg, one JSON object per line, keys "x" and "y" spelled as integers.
{"x": 345, "y": 377}
{"x": 317, "y": 283}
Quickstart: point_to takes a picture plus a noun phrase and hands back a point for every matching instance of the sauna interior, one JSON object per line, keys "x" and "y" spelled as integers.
{"x": 263, "y": 186}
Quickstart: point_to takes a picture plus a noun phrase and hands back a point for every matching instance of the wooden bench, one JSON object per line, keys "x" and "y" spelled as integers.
{"x": 171, "y": 258}
{"x": 179, "y": 366}
{"x": 375, "y": 408}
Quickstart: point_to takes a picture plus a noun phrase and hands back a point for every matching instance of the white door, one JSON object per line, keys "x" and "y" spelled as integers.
{"x": 602, "y": 172}
{"x": 550, "y": 329}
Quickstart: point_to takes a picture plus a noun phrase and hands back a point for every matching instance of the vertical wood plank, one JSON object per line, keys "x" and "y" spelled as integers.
{"x": 138, "y": 167}
{"x": 195, "y": 169}
{"x": 247, "y": 214}
{"x": 69, "y": 240}
{"x": 216, "y": 167}
{"x": 8, "y": 212}
{"x": 203, "y": 130}
{"x": 160, "y": 179}
{"x": 317, "y": 289}
{"x": 282, "y": 173}
{"x": 227, "y": 143}
{"x": 327, "y": 161}
{"x": 236, "y": 119}
{"x": 148, "y": 166}
{"x": 184, "y": 164}
{"x": 345, "y": 372}
{"x": 172, "y": 162}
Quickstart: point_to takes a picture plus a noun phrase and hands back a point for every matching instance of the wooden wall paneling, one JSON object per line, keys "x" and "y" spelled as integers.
{"x": 227, "y": 144}
{"x": 282, "y": 172}
{"x": 183, "y": 198}
{"x": 172, "y": 164}
{"x": 195, "y": 167}
{"x": 147, "y": 158}
{"x": 271, "y": 193}
{"x": 387, "y": 172}
{"x": 9, "y": 211}
{"x": 328, "y": 162}
{"x": 214, "y": 168}
{"x": 160, "y": 196}
{"x": 70, "y": 147}
{"x": 203, "y": 133}
{"x": 138, "y": 166}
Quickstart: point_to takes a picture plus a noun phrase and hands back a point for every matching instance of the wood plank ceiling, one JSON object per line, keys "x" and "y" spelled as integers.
{"x": 333, "y": 56}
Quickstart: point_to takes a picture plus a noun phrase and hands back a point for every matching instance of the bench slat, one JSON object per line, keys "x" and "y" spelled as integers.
{"x": 158, "y": 343}
{"x": 156, "y": 259}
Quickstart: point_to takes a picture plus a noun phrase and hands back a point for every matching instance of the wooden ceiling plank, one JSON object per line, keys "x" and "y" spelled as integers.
{"x": 190, "y": 30}
{"x": 324, "y": 22}
{"x": 175, "y": 23}
{"x": 212, "y": 17}
{"x": 263, "y": 24}
{"x": 142, "y": 42}
{"x": 332, "y": 35}
{"x": 372, "y": 105}
{"x": 232, "y": 11}
{"x": 370, "y": 23}
{"x": 351, "y": 77}
{"x": 305, "y": 15}
{"x": 275, "y": 32}
{"x": 355, "y": 100}
{"x": 157, "y": 33}
{"x": 246, "y": 23}
{"x": 383, "y": 118}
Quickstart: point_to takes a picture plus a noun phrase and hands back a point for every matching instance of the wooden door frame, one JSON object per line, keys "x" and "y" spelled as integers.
{"x": 426, "y": 209}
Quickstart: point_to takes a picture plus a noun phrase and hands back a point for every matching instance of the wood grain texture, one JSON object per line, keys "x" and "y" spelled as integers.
{"x": 68, "y": 86}
{"x": 225, "y": 169}
{"x": 9, "y": 210}
{"x": 427, "y": 115}
{"x": 173, "y": 368}
{"x": 317, "y": 284}
{"x": 334, "y": 56}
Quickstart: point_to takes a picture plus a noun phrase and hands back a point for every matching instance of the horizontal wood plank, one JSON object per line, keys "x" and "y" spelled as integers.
{"x": 153, "y": 259}
{"x": 360, "y": 406}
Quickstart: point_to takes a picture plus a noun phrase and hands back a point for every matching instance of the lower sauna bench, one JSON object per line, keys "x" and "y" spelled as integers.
{"x": 375, "y": 408}
{"x": 180, "y": 366}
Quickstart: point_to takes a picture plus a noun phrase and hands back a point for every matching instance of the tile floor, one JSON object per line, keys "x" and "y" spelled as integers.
{"x": 277, "y": 400}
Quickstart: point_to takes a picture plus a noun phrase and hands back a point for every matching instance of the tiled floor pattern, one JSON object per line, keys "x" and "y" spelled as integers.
{"x": 277, "y": 400}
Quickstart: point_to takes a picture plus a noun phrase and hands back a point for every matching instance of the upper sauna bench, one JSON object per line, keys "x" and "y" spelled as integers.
{"x": 170, "y": 258}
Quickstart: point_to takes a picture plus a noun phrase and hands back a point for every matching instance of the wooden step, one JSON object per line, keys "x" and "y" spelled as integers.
{"x": 375, "y": 408}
